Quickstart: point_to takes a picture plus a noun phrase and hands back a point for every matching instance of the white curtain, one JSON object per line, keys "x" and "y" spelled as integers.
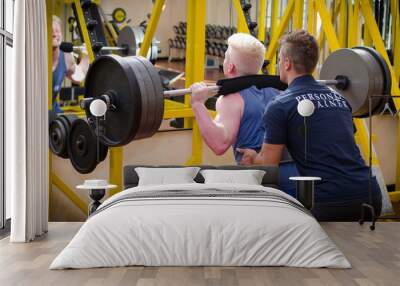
{"x": 27, "y": 124}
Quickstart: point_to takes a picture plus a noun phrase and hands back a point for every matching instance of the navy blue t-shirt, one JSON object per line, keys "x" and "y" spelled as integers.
{"x": 332, "y": 153}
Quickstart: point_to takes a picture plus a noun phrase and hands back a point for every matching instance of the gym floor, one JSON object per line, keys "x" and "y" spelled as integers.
{"x": 374, "y": 255}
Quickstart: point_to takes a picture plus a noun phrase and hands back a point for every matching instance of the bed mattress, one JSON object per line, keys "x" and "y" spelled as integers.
{"x": 201, "y": 225}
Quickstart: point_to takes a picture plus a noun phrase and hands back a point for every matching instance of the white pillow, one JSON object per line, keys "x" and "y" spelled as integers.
{"x": 166, "y": 176}
{"x": 248, "y": 177}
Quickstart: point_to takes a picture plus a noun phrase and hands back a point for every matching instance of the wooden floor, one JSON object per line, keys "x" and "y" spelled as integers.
{"x": 375, "y": 257}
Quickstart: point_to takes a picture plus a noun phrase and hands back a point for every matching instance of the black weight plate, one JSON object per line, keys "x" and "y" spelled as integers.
{"x": 113, "y": 73}
{"x": 103, "y": 151}
{"x": 82, "y": 148}
{"x": 52, "y": 116}
{"x": 158, "y": 94}
{"x": 146, "y": 96}
{"x": 69, "y": 119}
{"x": 155, "y": 103}
{"x": 153, "y": 108}
{"x": 58, "y": 135}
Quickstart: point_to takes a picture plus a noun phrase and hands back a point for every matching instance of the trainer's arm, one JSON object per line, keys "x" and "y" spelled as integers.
{"x": 219, "y": 133}
{"x": 275, "y": 123}
{"x": 270, "y": 154}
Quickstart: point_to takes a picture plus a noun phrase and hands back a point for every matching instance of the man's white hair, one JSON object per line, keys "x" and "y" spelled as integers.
{"x": 57, "y": 20}
{"x": 246, "y": 53}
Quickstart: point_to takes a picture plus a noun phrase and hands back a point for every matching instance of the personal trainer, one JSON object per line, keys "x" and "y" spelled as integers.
{"x": 332, "y": 152}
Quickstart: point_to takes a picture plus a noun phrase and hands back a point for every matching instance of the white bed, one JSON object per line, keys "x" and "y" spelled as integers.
{"x": 248, "y": 226}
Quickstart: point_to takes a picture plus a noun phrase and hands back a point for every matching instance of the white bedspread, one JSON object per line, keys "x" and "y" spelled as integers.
{"x": 183, "y": 231}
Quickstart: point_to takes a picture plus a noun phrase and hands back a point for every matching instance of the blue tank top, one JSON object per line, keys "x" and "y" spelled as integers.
{"x": 58, "y": 77}
{"x": 251, "y": 131}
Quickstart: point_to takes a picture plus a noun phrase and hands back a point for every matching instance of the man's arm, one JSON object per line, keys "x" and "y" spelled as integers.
{"x": 219, "y": 134}
{"x": 76, "y": 73}
{"x": 270, "y": 154}
{"x": 275, "y": 123}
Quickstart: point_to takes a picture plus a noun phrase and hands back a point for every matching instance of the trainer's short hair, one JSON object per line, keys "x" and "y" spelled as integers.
{"x": 302, "y": 48}
{"x": 246, "y": 53}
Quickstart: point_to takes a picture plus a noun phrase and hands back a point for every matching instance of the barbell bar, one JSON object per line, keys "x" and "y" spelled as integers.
{"x": 68, "y": 47}
{"x": 341, "y": 83}
{"x": 128, "y": 44}
{"x": 133, "y": 96}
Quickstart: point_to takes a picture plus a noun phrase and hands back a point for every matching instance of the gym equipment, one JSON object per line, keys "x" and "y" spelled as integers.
{"x": 67, "y": 47}
{"x": 119, "y": 15}
{"x": 59, "y": 130}
{"x": 128, "y": 44}
{"x": 84, "y": 149}
{"x": 366, "y": 73}
{"x": 131, "y": 39}
{"x": 131, "y": 90}
{"x": 71, "y": 93}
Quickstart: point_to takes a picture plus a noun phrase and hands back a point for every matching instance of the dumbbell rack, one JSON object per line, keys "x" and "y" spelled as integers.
{"x": 177, "y": 45}
{"x": 216, "y": 43}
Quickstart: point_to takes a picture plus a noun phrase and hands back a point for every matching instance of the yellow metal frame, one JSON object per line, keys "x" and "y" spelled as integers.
{"x": 343, "y": 23}
{"x": 262, "y": 20}
{"x": 274, "y": 23}
{"x": 241, "y": 19}
{"x": 277, "y": 34}
{"x": 298, "y": 15}
{"x": 69, "y": 193}
{"x": 194, "y": 66}
{"x": 312, "y": 18}
{"x": 84, "y": 30}
{"x": 151, "y": 27}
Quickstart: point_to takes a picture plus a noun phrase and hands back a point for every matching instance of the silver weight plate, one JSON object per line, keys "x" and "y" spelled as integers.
{"x": 131, "y": 38}
{"x": 364, "y": 74}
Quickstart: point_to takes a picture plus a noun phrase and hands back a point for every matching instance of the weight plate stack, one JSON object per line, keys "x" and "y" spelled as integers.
{"x": 84, "y": 151}
{"x": 59, "y": 130}
{"x": 366, "y": 75}
{"x": 112, "y": 75}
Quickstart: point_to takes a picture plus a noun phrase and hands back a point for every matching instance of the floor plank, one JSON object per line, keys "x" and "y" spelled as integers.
{"x": 374, "y": 255}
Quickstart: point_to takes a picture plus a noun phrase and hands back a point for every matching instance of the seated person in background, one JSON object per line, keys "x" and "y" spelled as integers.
{"x": 64, "y": 65}
{"x": 239, "y": 116}
{"x": 332, "y": 151}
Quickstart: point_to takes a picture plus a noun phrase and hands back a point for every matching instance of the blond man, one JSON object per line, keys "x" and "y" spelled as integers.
{"x": 238, "y": 123}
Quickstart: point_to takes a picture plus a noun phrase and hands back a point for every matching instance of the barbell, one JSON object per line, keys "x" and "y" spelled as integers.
{"x": 128, "y": 44}
{"x": 130, "y": 92}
